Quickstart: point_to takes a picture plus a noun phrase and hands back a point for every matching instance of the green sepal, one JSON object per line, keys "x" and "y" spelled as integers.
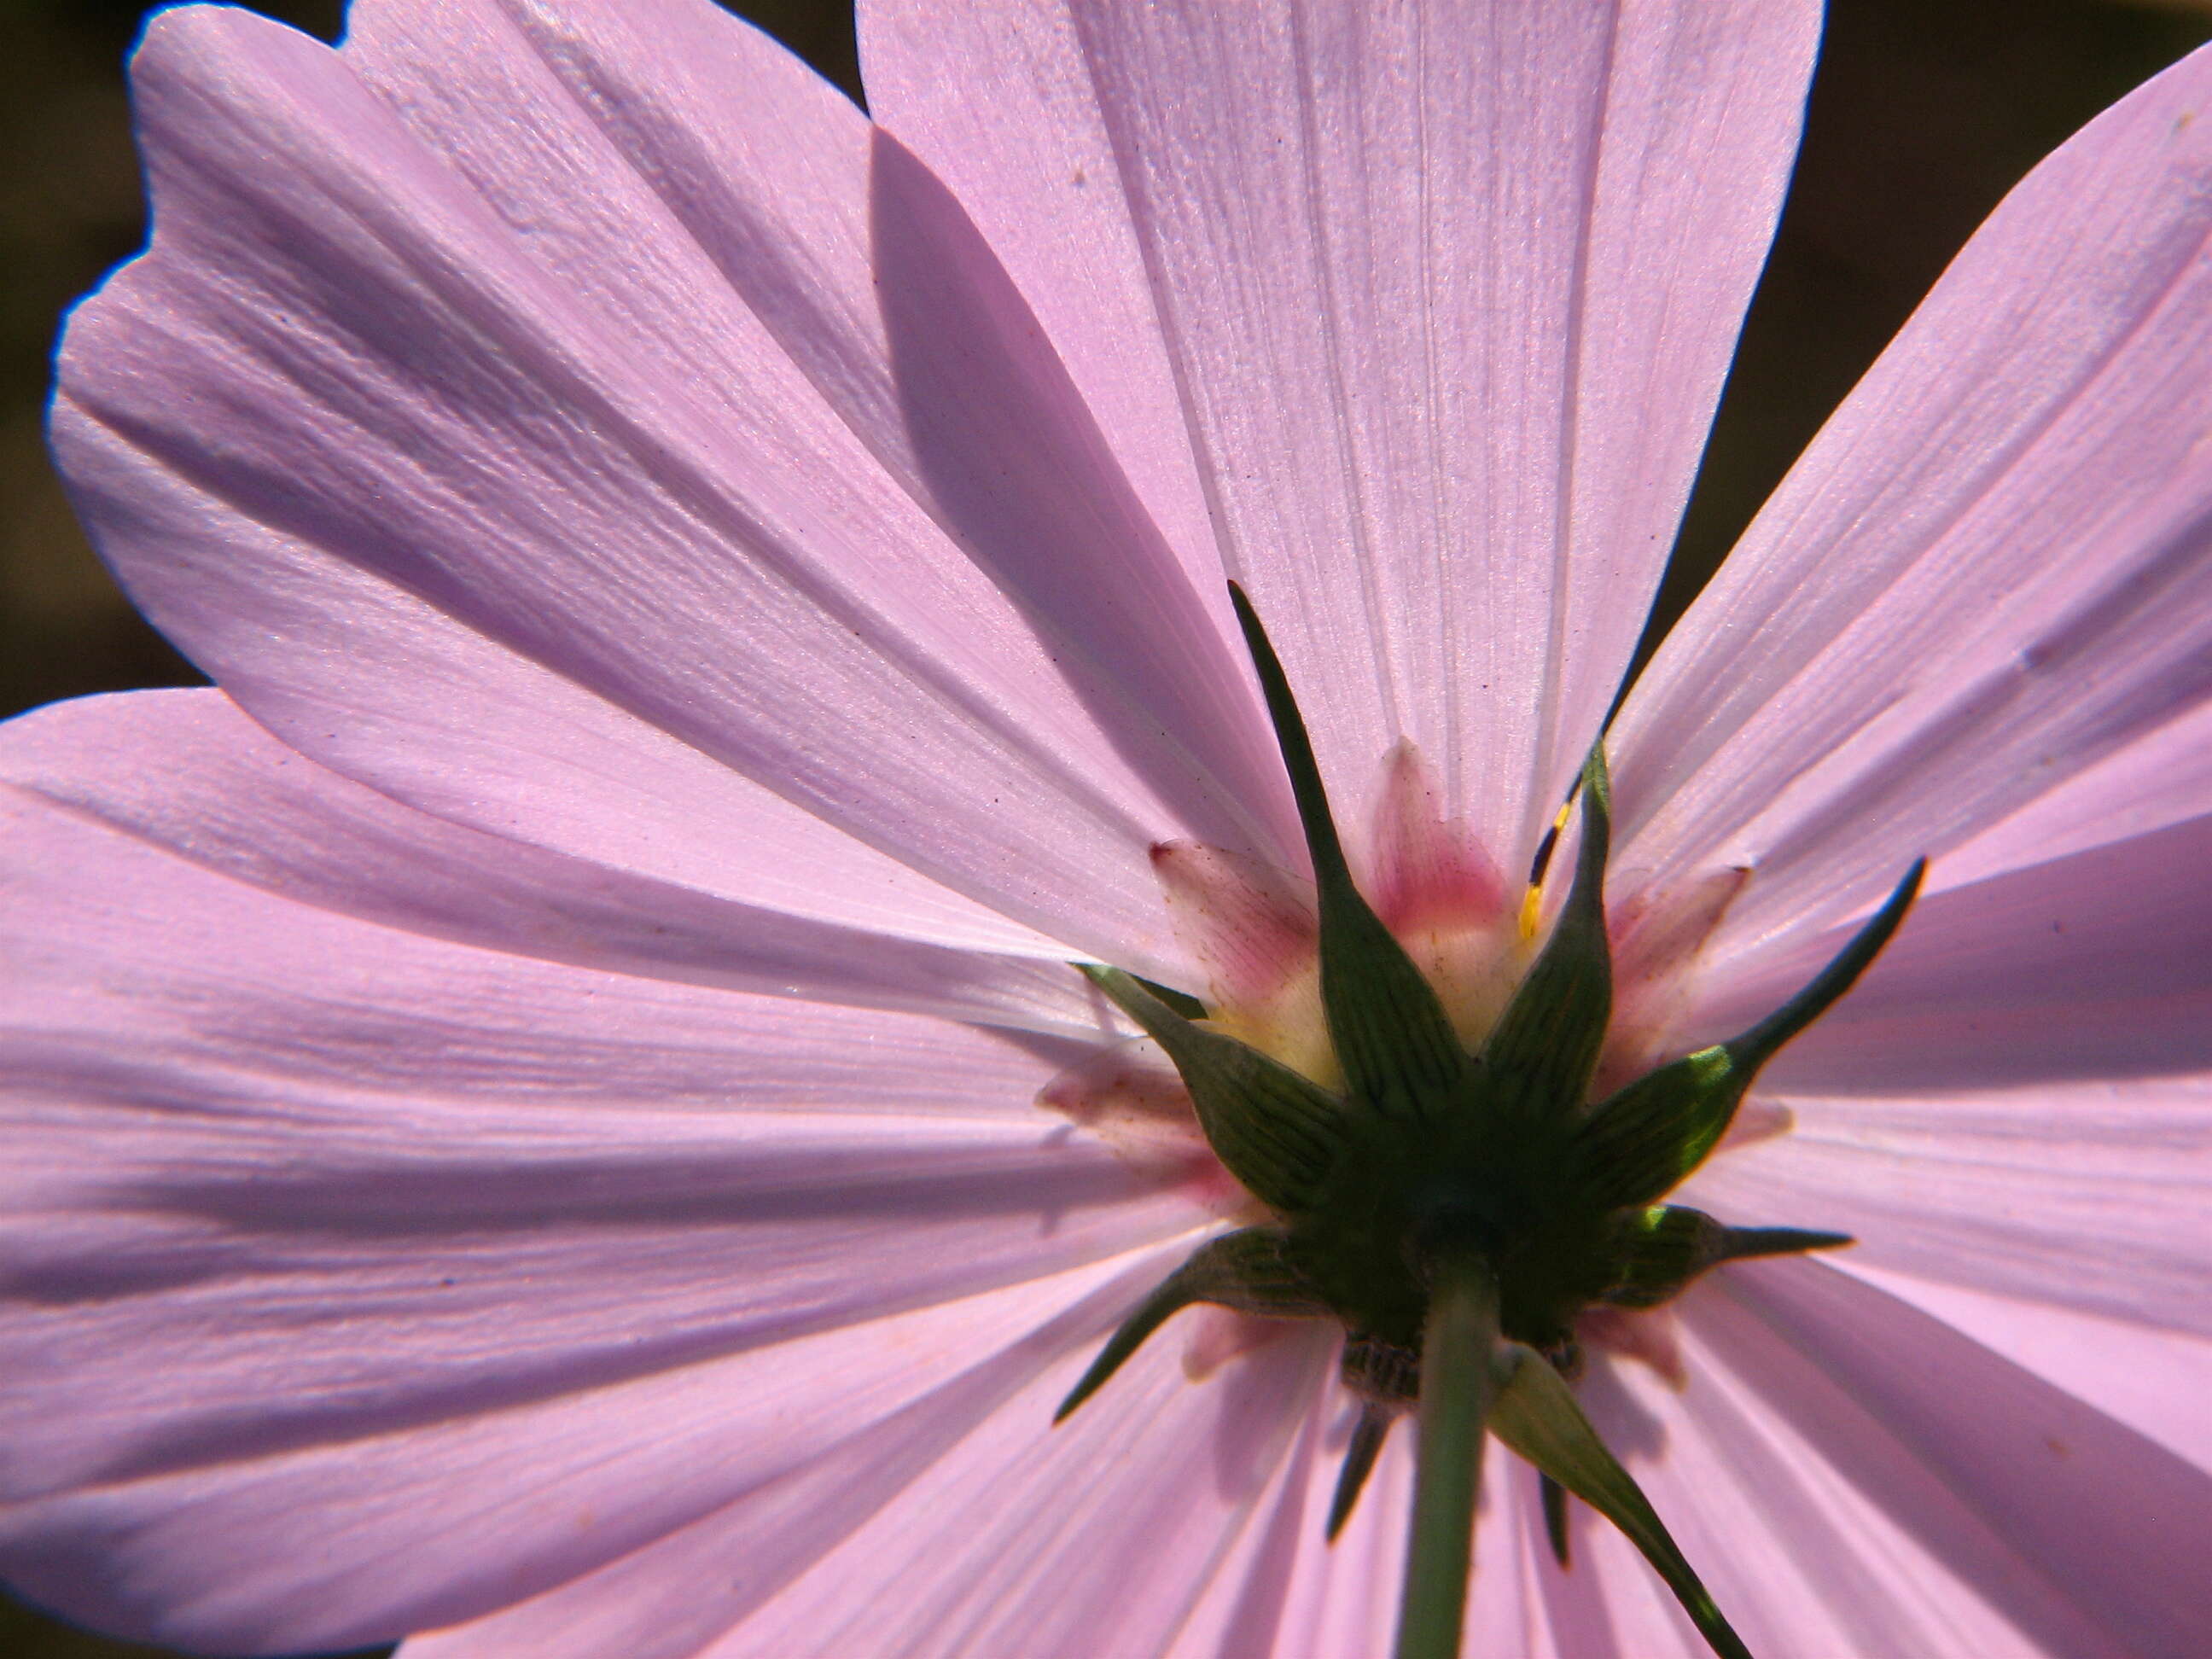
{"x": 1360, "y": 1452}
{"x": 1758, "y": 1045}
{"x": 1393, "y": 1038}
{"x": 1554, "y": 1499}
{"x": 1245, "y": 1270}
{"x": 1276, "y": 1131}
{"x": 1182, "y": 1002}
{"x": 1646, "y": 1140}
{"x": 1546, "y": 1044}
{"x": 1667, "y": 1247}
{"x": 1534, "y": 1412}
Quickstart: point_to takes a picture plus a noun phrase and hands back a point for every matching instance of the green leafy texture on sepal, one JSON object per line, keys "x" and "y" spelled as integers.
{"x": 1182, "y": 1002}
{"x": 1360, "y": 1452}
{"x": 1554, "y": 1499}
{"x": 1276, "y": 1131}
{"x": 1646, "y": 1140}
{"x": 1534, "y": 1412}
{"x": 1667, "y": 1247}
{"x": 1244, "y": 1270}
{"x": 1546, "y": 1044}
{"x": 1393, "y": 1038}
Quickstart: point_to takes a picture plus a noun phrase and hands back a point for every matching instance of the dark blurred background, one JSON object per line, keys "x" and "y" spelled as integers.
{"x": 1924, "y": 112}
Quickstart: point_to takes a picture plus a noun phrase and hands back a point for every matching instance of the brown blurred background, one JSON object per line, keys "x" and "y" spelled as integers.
{"x": 1924, "y": 112}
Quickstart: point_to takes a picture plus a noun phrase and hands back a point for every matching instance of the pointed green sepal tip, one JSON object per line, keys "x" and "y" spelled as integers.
{"x": 1535, "y": 1413}
{"x": 1555, "y": 1497}
{"x": 1290, "y": 737}
{"x": 1246, "y": 1270}
{"x": 1664, "y": 1249}
{"x": 1545, "y": 1045}
{"x": 1755, "y": 1047}
{"x": 1391, "y": 1033}
{"x": 1360, "y": 1452}
{"x": 1275, "y": 1130}
{"x": 1747, "y": 1243}
{"x": 1597, "y": 815}
{"x": 1649, "y": 1137}
{"x": 1181, "y": 1001}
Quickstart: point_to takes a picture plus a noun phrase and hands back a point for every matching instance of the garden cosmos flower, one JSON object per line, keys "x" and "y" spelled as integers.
{"x": 521, "y": 1103}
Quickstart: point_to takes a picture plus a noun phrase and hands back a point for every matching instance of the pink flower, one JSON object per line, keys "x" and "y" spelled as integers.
{"x": 520, "y": 1106}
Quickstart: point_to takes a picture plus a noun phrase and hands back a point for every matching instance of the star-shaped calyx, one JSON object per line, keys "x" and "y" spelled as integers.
{"x": 1454, "y": 1210}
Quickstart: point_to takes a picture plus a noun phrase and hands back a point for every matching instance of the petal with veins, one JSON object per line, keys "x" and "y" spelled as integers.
{"x": 704, "y": 542}
{"x": 2085, "y": 967}
{"x": 2031, "y": 1503}
{"x": 1041, "y": 1577}
{"x": 212, "y": 789}
{"x": 2088, "y": 1195}
{"x": 1989, "y": 570}
{"x": 377, "y": 1217}
{"x": 1447, "y": 292}
{"x": 2155, "y": 1381}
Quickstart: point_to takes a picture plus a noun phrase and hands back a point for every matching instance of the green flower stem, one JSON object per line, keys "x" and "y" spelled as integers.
{"x": 1457, "y": 1347}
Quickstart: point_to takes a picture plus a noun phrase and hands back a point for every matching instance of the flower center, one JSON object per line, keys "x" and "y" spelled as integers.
{"x": 1432, "y": 1133}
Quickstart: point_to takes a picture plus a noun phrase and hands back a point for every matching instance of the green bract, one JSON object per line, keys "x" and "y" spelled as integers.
{"x": 1436, "y": 1166}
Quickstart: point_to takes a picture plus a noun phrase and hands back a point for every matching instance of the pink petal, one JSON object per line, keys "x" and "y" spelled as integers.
{"x": 347, "y": 1264}
{"x": 1800, "y": 1560}
{"x": 1991, "y": 568}
{"x": 402, "y": 409}
{"x": 870, "y": 277}
{"x": 2091, "y": 1194}
{"x": 1099, "y": 1544}
{"x": 2161, "y": 779}
{"x": 1446, "y": 293}
{"x": 1343, "y": 1598}
{"x": 1094, "y": 1537}
{"x": 1979, "y": 1482}
{"x": 996, "y": 100}
{"x": 2088, "y": 966}
{"x": 1608, "y": 1605}
{"x": 1245, "y": 1605}
{"x": 2156, "y": 1382}
{"x": 187, "y": 773}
